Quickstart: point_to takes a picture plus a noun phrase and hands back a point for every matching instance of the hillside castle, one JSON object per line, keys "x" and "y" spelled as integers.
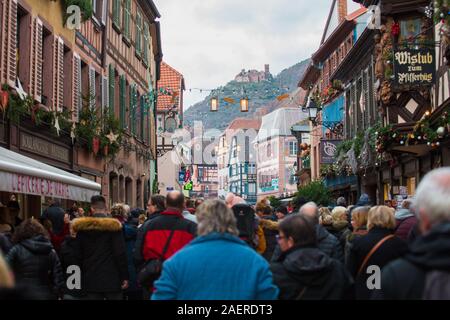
{"x": 254, "y": 76}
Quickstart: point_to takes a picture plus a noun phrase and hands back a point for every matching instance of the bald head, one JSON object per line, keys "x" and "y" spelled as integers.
{"x": 175, "y": 199}
{"x": 229, "y": 199}
{"x": 311, "y": 211}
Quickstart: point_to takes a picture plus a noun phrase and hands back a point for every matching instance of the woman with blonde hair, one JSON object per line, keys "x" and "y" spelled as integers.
{"x": 339, "y": 226}
{"x": 359, "y": 224}
{"x": 379, "y": 247}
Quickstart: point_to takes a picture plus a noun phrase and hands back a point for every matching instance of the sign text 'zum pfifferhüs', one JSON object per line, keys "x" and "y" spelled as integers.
{"x": 414, "y": 67}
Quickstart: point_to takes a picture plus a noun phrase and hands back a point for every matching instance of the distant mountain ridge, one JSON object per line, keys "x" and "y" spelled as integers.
{"x": 263, "y": 98}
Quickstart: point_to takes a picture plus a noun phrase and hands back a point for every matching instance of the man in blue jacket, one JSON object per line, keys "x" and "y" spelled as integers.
{"x": 217, "y": 265}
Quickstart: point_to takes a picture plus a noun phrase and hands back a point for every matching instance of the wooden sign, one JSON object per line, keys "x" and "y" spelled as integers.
{"x": 414, "y": 67}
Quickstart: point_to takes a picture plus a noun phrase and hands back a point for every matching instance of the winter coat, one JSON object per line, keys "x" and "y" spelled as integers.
{"x": 36, "y": 265}
{"x": 326, "y": 242}
{"x": 270, "y": 229}
{"x": 56, "y": 216}
{"x": 5, "y": 243}
{"x": 406, "y": 278}
{"x": 102, "y": 254}
{"x": 216, "y": 267}
{"x": 309, "y": 274}
{"x": 329, "y": 244}
{"x": 153, "y": 235}
{"x": 389, "y": 250}
{"x": 69, "y": 257}
{"x": 406, "y": 220}
{"x": 130, "y": 233}
{"x": 340, "y": 230}
{"x": 360, "y": 232}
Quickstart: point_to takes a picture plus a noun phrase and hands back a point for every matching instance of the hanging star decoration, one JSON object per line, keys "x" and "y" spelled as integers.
{"x": 19, "y": 89}
{"x": 72, "y": 133}
{"x": 112, "y": 137}
{"x": 57, "y": 127}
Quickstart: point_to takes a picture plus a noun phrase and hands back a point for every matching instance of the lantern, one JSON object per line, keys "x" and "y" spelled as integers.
{"x": 313, "y": 109}
{"x": 214, "y": 104}
{"x": 244, "y": 104}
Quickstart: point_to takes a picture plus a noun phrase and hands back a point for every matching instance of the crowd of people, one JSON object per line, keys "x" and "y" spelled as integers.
{"x": 229, "y": 250}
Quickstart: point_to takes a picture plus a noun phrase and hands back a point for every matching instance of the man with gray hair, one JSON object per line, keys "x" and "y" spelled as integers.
{"x": 341, "y": 202}
{"x": 326, "y": 242}
{"x": 423, "y": 273}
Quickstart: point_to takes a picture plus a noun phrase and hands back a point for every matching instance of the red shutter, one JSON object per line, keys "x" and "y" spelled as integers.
{"x": 8, "y": 54}
{"x": 76, "y": 72}
{"x": 58, "y": 74}
{"x": 36, "y": 60}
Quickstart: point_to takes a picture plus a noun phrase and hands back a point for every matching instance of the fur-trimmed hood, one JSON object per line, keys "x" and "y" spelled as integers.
{"x": 97, "y": 224}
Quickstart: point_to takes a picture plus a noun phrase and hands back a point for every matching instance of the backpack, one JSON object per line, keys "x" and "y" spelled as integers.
{"x": 245, "y": 221}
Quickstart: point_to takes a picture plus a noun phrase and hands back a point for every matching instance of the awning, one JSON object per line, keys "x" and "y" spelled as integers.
{"x": 20, "y": 174}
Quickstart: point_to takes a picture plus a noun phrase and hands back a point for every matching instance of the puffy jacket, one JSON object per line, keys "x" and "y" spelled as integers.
{"x": 102, "y": 256}
{"x": 153, "y": 235}
{"x": 36, "y": 265}
{"x": 406, "y": 278}
{"x": 5, "y": 243}
{"x": 309, "y": 274}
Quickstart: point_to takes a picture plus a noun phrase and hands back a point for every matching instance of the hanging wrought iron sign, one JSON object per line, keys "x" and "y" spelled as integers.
{"x": 414, "y": 67}
{"x": 328, "y": 151}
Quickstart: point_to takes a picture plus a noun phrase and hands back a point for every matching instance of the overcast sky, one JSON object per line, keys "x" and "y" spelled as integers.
{"x": 210, "y": 41}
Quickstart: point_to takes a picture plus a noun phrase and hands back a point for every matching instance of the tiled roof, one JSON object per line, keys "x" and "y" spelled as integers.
{"x": 242, "y": 123}
{"x": 173, "y": 81}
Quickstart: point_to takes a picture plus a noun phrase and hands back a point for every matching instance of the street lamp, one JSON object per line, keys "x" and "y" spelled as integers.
{"x": 244, "y": 104}
{"x": 214, "y": 104}
{"x": 313, "y": 109}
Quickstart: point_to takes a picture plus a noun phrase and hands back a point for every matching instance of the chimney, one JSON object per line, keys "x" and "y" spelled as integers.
{"x": 342, "y": 9}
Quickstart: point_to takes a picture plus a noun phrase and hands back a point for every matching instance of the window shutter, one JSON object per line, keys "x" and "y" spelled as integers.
{"x": 142, "y": 118}
{"x": 138, "y": 33}
{"x": 92, "y": 93}
{"x": 104, "y": 11}
{"x": 36, "y": 61}
{"x": 146, "y": 42}
{"x": 76, "y": 102}
{"x": 133, "y": 109}
{"x": 8, "y": 71}
{"x": 116, "y": 12}
{"x": 367, "y": 117}
{"x": 105, "y": 94}
{"x": 122, "y": 100}
{"x": 126, "y": 18}
{"x": 58, "y": 74}
{"x": 112, "y": 78}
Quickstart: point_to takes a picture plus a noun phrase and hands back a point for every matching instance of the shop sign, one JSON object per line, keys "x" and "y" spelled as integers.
{"x": 44, "y": 148}
{"x": 414, "y": 67}
{"x": 328, "y": 151}
{"x": 25, "y": 184}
